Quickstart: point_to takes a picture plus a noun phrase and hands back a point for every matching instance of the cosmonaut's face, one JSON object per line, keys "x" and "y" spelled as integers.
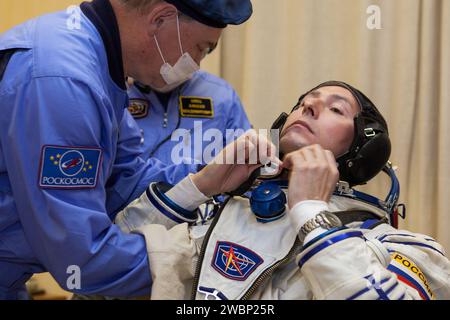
{"x": 325, "y": 117}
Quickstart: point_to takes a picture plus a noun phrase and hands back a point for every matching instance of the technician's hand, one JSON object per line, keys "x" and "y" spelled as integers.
{"x": 313, "y": 174}
{"x": 235, "y": 163}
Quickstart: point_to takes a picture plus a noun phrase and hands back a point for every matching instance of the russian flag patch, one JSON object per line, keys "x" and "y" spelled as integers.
{"x": 410, "y": 274}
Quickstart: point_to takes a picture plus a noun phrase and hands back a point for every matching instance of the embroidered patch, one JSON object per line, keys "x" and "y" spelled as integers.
{"x": 69, "y": 167}
{"x": 234, "y": 261}
{"x": 410, "y": 274}
{"x": 196, "y": 107}
{"x": 138, "y": 108}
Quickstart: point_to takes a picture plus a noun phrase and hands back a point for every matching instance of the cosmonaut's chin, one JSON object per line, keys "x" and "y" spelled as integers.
{"x": 289, "y": 144}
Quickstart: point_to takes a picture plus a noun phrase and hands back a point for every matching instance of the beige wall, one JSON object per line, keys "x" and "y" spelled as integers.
{"x": 13, "y": 12}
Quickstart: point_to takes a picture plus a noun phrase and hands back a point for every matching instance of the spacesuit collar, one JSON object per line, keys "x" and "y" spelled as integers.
{"x": 102, "y": 16}
{"x": 342, "y": 203}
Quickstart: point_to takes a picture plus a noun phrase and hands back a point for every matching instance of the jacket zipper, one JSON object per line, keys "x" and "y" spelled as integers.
{"x": 203, "y": 249}
{"x": 268, "y": 272}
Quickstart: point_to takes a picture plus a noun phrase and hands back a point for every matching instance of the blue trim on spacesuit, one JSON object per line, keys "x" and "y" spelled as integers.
{"x": 161, "y": 209}
{"x": 374, "y": 285}
{"x": 184, "y": 215}
{"x": 327, "y": 243}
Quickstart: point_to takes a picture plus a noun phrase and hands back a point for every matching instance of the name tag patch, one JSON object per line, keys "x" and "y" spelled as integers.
{"x": 196, "y": 107}
{"x": 234, "y": 261}
{"x": 69, "y": 167}
{"x": 138, "y": 108}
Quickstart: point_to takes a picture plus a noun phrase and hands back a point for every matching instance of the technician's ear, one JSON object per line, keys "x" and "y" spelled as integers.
{"x": 157, "y": 15}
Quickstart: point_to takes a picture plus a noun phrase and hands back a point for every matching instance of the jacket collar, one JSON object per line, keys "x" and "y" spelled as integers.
{"x": 101, "y": 14}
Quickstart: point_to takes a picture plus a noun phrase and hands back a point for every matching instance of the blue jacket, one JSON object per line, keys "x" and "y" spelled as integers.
{"x": 158, "y": 116}
{"x": 65, "y": 167}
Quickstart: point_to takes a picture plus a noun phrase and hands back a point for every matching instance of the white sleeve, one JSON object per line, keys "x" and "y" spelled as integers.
{"x": 176, "y": 206}
{"x": 173, "y": 255}
{"x": 186, "y": 194}
{"x": 303, "y": 211}
{"x": 360, "y": 264}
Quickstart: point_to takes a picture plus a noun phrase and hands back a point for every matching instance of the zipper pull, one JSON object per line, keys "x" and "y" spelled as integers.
{"x": 142, "y": 137}
{"x": 166, "y": 120}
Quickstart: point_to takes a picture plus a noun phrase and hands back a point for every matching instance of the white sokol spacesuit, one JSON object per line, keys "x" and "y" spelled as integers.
{"x": 239, "y": 257}
{"x": 256, "y": 248}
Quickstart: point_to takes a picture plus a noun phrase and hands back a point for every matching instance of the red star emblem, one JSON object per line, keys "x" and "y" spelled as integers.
{"x": 232, "y": 259}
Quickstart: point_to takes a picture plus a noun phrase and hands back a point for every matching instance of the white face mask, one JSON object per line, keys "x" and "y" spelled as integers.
{"x": 181, "y": 72}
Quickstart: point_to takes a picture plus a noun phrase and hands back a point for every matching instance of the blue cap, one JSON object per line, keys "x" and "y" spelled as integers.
{"x": 268, "y": 202}
{"x": 215, "y": 13}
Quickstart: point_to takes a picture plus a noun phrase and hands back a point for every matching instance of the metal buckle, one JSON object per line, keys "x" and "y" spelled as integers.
{"x": 369, "y": 132}
{"x": 342, "y": 187}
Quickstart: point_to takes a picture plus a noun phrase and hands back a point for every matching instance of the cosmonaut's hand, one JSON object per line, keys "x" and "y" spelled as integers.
{"x": 313, "y": 174}
{"x": 235, "y": 163}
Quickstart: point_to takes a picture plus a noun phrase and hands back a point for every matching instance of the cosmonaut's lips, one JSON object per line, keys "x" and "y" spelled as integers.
{"x": 300, "y": 124}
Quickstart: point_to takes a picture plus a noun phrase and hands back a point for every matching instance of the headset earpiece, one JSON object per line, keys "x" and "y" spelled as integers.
{"x": 370, "y": 159}
{"x": 368, "y": 154}
{"x": 280, "y": 121}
